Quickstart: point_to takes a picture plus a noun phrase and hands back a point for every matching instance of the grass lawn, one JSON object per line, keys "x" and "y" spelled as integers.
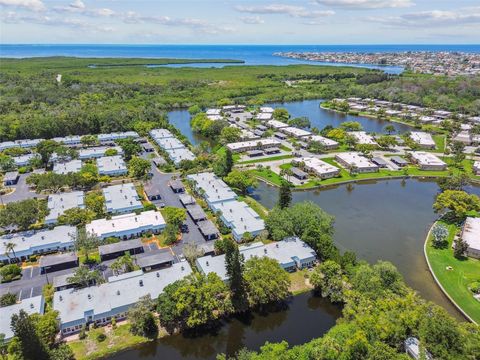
{"x": 268, "y": 175}
{"x": 117, "y": 339}
{"x": 273, "y": 158}
{"x": 298, "y": 284}
{"x": 456, "y": 281}
{"x": 222, "y": 150}
{"x": 439, "y": 142}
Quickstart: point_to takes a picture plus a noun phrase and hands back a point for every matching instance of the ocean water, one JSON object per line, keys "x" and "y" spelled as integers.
{"x": 251, "y": 54}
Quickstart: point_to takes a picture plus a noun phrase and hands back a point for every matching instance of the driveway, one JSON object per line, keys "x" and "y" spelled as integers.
{"x": 21, "y": 192}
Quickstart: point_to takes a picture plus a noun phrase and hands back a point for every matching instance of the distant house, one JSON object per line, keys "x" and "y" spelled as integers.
{"x": 11, "y": 178}
{"x": 471, "y": 235}
{"x": 299, "y": 174}
{"x": 111, "y": 166}
{"x": 59, "y": 203}
{"x": 33, "y": 305}
{"x": 115, "y": 250}
{"x": 57, "y": 262}
{"x": 412, "y": 348}
{"x": 428, "y": 161}
{"x": 121, "y": 198}
{"x": 397, "y": 160}
{"x": 177, "y": 186}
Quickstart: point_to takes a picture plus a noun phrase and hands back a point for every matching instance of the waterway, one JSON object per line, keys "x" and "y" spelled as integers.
{"x": 318, "y": 116}
{"x": 303, "y": 318}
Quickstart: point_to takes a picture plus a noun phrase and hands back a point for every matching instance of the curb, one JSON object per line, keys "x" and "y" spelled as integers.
{"x": 438, "y": 282}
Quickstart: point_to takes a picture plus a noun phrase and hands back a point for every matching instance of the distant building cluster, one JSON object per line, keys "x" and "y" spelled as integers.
{"x": 426, "y": 62}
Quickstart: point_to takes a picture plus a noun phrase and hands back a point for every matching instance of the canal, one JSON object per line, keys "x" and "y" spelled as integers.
{"x": 318, "y": 116}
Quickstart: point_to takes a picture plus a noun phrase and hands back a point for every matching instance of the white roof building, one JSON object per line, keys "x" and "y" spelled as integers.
{"x": 116, "y": 136}
{"x": 111, "y": 165}
{"x": 213, "y": 188}
{"x": 263, "y": 116}
{"x": 169, "y": 143}
{"x": 253, "y": 145}
{"x": 239, "y": 217}
{"x": 64, "y": 168}
{"x": 471, "y": 235}
{"x": 215, "y": 117}
{"x": 178, "y": 155}
{"x": 127, "y": 225}
{"x": 113, "y": 298}
{"x": 295, "y": 132}
{"x": 96, "y": 152}
{"x": 213, "y": 112}
{"x": 121, "y": 198}
{"x": 363, "y": 138}
{"x": 476, "y": 167}
{"x": 28, "y": 243}
{"x": 161, "y": 134}
{"x": 356, "y": 162}
{"x": 423, "y": 139}
{"x": 58, "y": 203}
{"x": 326, "y": 142}
{"x": 33, "y": 305}
{"x": 24, "y": 160}
{"x": 291, "y": 253}
{"x": 275, "y": 124}
{"x": 321, "y": 168}
{"x": 428, "y": 161}
{"x": 267, "y": 109}
{"x": 69, "y": 140}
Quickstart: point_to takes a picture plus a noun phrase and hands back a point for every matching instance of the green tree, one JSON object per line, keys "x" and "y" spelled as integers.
{"x": 266, "y": 282}
{"x": 281, "y": 114}
{"x": 351, "y": 126}
{"x": 234, "y": 264}
{"x": 6, "y": 163}
{"x": 46, "y": 148}
{"x": 390, "y": 129}
{"x": 456, "y": 203}
{"x": 47, "y": 327}
{"x": 458, "y": 149}
{"x": 328, "y": 279}
{"x": 30, "y": 345}
{"x": 94, "y": 201}
{"x": 175, "y": 216}
{"x": 285, "y": 195}
{"x": 130, "y": 147}
{"x": 23, "y": 213}
{"x": 76, "y": 217}
{"x": 193, "y": 301}
{"x": 111, "y": 152}
{"x": 86, "y": 242}
{"x": 300, "y": 122}
{"x": 386, "y": 141}
{"x": 194, "y": 109}
{"x": 89, "y": 140}
{"x": 84, "y": 277}
{"x": 230, "y": 134}
{"x": 10, "y": 248}
{"x": 141, "y": 319}
{"x": 123, "y": 264}
{"x": 10, "y": 272}
{"x": 241, "y": 180}
{"x": 460, "y": 248}
{"x": 138, "y": 167}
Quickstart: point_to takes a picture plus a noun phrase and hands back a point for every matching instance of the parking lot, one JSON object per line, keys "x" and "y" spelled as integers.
{"x": 21, "y": 191}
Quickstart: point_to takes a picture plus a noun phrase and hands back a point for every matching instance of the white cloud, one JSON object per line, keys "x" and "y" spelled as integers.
{"x": 34, "y": 5}
{"x": 79, "y": 7}
{"x": 290, "y": 10}
{"x": 251, "y": 20}
{"x": 366, "y": 4}
{"x": 77, "y": 4}
{"x": 431, "y": 18}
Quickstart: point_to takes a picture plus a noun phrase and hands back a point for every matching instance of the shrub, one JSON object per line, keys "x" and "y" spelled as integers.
{"x": 475, "y": 287}
{"x": 439, "y": 236}
{"x": 10, "y": 272}
{"x": 83, "y": 332}
{"x": 101, "y": 337}
{"x": 8, "y": 299}
{"x": 114, "y": 323}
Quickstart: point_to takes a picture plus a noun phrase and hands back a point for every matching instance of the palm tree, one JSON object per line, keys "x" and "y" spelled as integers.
{"x": 10, "y": 247}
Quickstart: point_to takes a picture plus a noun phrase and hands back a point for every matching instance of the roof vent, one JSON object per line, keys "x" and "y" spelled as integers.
{"x": 158, "y": 274}
{"x": 140, "y": 282}
{"x": 60, "y": 298}
{"x": 265, "y": 250}
{"x": 276, "y": 245}
{"x": 89, "y": 296}
{"x": 207, "y": 263}
{"x": 136, "y": 219}
{"x": 31, "y": 306}
{"x": 118, "y": 292}
{"x": 241, "y": 219}
{"x": 182, "y": 268}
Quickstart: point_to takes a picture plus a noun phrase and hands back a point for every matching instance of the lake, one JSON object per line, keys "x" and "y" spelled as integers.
{"x": 318, "y": 116}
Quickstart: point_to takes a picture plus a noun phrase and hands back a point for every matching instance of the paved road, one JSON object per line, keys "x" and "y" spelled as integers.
{"x": 22, "y": 191}
{"x": 171, "y": 199}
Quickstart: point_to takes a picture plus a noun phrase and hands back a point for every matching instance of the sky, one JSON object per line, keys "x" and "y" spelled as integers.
{"x": 240, "y": 22}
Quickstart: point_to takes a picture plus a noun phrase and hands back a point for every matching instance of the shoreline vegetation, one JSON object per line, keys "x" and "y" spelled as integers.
{"x": 453, "y": 275}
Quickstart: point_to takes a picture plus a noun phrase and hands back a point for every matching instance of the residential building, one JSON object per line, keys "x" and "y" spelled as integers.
{"x": 318, "y": 167}
{"x": 355, "y": 163}
{"x": 24, "y": 160}
{"x": 476, "y": 167}
{"x": 427, "y": 161}
{"x": 33, "y": 305}
{"x": 263, "y": 116}
{"x": 72, "y": 140}
{"x": 397, "y": 160}
{"x": 295, "y": 132}
{"x": 208, "y": 229}
{"x": 97, "y": 152}
{"x": 64, "y": 168}
{"x": 121, "y": 198}
{"x": 253, "y": 145}
{"x": 111, "y": 166}
{"x": 127, "y": 226}
{"x": 363, "y": 138}
{"x": 27, "y": 243}
{"x": 423, "y": 139}
{"x": 58, "y": 203}
{"x": 156, "y": 261}
{"x": 213, "y": 112}
{"x": 212, "y": 188}
{"x": 413, "y": 349}
{"x": 177, "y": 186}
{"x": 239, "y": 217}
{"x": 275, "y": 124}
{"x": 99, "y": 304}
{"x": 170, "y": 143}
{"x": 160, "y": 134}
{"x": 178, "y": 155}
{"x": 56, "y": 262}
{"x": 471, "y": 235}
{"x": 116, "y": 136}
{"x": 327, "y": 143}
{"x": 299, "y": 174}
{"x": 291, "y": 254}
